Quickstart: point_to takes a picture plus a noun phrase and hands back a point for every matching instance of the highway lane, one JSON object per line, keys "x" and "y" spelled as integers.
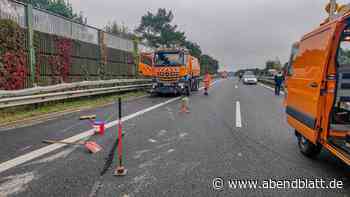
{"x": 18, "y": 141}
{"x": 172, "y": 154}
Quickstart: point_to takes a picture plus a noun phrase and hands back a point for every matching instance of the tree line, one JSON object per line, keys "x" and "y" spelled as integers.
{"x": 270, "y": 65}
{"x": 59, "y": 7}
{"x": 157, "y": 30}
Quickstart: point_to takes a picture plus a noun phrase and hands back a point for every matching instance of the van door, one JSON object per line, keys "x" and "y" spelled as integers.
{"x": 305, "y": 81}
{"x": 341, "y": 110}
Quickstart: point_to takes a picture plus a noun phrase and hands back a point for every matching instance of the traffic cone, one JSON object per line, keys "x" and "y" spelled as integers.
{"x": 184, "y": 105}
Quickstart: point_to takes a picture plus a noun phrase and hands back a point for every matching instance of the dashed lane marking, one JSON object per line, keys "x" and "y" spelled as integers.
{"x": 238, "y": 115}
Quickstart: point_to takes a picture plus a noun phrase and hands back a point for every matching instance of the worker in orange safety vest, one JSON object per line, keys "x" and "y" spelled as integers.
{"x": 207, "y": 82}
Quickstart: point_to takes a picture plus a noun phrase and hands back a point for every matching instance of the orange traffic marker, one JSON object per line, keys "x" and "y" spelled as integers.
{"x": 93, "y": 147}
{"x": 184, "y": 105}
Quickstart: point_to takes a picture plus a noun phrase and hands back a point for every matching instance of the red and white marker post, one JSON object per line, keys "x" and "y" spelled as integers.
{"x": 120, "y": 170}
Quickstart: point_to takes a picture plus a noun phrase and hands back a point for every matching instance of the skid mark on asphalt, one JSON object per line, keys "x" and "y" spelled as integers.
{"x": 138, "y": 183}
{"x": 62, "y": 154}
{"x": 182, "y": 135}
{"x": 176, "y": 138}
{"x": 161, "y": 132}
{"x": 153, "y": 161}
{"x": 95, "y": 189}
{"x": 25, "y": 148}
{"x": 152, "y": 140}
{"x": 169, "y": 141}
{"x": 140, "y": 153}
{"x": 186, "y": 167}
{"x": 163, "y": 145}
{"x": 150, "y": 163}
{"x": 16, "y": 184}
{"x": 142, "y": 181}
{"x": 170, "y": 113}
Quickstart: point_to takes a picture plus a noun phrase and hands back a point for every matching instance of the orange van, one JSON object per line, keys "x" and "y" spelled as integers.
{"x": 318, "y": 89}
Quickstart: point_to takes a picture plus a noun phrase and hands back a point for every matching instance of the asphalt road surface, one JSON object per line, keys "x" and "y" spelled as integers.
{"x": 237, "y": 133}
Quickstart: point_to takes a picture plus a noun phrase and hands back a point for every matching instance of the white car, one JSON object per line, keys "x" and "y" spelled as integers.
{"x": 249, "y": 79}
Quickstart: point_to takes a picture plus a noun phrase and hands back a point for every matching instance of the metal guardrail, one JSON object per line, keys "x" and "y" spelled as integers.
{"x": 40, "y": 98}
{"x": 67, "y": 86}
{"x": 270, "y": 81}
{"x": 55, "y": 93}
{"x": 267, "y": 80}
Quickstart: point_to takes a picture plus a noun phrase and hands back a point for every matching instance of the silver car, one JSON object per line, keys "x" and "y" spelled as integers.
{"x": 249, "y": 79}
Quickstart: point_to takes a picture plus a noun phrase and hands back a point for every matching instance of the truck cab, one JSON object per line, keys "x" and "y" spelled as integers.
{"x": 175, "y": 71}
{"x": 318, "y": 89}
{"x": 146, "y": 64}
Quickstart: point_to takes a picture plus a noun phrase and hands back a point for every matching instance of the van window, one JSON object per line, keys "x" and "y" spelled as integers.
{"x": 343, "y": 58}
{"x": 294, "y": 53}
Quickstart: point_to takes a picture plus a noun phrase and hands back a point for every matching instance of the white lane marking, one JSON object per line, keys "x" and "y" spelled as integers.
{"x": 62, "y": 154}
{"x": 238, "y": 115}
{"x": 270, "y": 88}
{"x": 236, "y": 86}
{"x": 47, "y": 149}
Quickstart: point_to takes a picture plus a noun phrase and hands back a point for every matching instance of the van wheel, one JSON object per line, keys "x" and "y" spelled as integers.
{"x": 307, "y": 148}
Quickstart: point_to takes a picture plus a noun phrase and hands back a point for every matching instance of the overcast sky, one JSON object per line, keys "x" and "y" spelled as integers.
{"x": 239, "y": 33}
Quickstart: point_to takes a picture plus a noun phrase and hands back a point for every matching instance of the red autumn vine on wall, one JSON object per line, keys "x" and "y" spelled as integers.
{"x": 38, "y": 58}
{"x": 13, "y": 58}
{"x": 61, "y": 63}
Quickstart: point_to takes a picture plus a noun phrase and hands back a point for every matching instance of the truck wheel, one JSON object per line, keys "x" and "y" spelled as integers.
{"x": 197, "y": 85}
{"x": 153, "y": 94}
{"x": 188, "y": 91}
{"x": 307, "y": 148}
{"x": 194, "y": 85}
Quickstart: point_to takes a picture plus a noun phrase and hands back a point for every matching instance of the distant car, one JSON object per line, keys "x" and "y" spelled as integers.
{"x": 249, "y": 79}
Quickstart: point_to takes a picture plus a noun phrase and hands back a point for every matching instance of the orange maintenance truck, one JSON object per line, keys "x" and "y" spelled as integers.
{"x": 173, "y": 70}
{"x": 318, "y": 87}
{"x": 146, "y": 64}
